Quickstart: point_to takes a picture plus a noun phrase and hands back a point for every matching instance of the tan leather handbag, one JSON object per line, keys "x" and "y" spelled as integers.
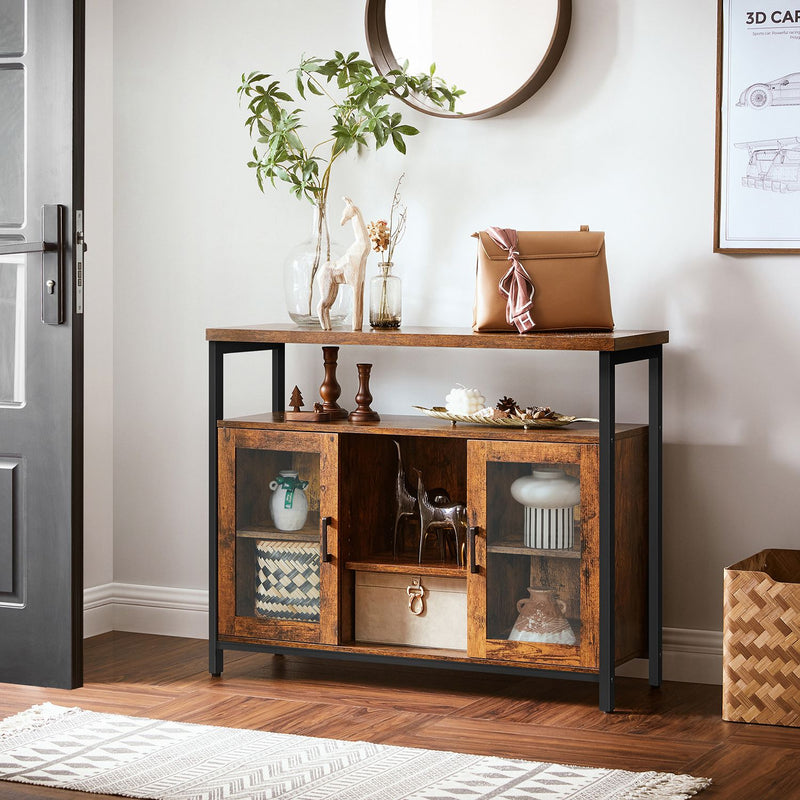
{"x": 569, "y": 276}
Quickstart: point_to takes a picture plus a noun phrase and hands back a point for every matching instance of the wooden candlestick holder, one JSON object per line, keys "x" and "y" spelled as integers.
{"x": 330, "y": 389}
{"x": 363, "y": 415}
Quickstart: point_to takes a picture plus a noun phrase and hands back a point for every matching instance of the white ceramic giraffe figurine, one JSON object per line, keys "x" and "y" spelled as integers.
{"x": 350, "y": 269}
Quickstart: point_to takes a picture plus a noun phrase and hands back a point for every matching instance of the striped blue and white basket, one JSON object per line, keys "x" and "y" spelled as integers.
{"x": 287, "y": 580}
{"x": 549, "y": 528}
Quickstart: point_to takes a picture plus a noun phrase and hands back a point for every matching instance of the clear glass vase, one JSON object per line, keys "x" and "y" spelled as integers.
{"x": 300, "y": 272}
{"x": 385, "y": 298}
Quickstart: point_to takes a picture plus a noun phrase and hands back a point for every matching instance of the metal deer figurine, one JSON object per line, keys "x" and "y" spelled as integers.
{"x": 431, "y": 517}
{"x": 350, "y": 269}
{"x": 406, "y": 502}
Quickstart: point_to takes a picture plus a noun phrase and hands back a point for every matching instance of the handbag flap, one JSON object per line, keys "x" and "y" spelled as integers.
{"x": 547, "y": 244}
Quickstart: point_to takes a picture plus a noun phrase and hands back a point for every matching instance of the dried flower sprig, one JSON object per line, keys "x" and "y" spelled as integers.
{"x": 379, "y": 235}
{"x": 384, "y": 235}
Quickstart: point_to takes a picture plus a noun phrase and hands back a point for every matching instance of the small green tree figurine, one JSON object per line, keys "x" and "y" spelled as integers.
{"x": 361, "y": 117}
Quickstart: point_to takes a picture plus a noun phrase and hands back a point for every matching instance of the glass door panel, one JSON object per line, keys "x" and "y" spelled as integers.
{"x": 12, "y": 329}
{"x": 533, "y": 552}
{"x": 278, "y": 535}
{"x": 278, "y": 551}
{"x": 12, "y": 202}
{"x": 533, "y": 590}
{"x": 12, "y": 145}
{"x": 12, "y": 28}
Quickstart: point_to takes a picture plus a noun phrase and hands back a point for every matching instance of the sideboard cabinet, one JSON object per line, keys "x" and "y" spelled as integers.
{"x": 297, "y": 590}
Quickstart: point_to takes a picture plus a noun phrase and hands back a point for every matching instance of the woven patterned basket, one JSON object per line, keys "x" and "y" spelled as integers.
{"x": 761, "y": 639}
{"x": 287, "y": 580}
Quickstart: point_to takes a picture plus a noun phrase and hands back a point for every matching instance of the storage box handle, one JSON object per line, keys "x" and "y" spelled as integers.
{"x": 415, "y": 592}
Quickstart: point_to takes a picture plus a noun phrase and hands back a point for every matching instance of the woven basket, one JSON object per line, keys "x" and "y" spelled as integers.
{"x": 761, "y": 639}
{"x": 287, "y": 580}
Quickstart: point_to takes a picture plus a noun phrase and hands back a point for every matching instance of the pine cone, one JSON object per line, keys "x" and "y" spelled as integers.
{"x": 507, "y": 404}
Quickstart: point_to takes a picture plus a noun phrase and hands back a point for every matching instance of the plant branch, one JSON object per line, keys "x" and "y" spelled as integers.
{"x": 360, "y": 115}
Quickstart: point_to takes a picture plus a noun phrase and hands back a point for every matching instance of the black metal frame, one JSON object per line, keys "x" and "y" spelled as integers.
{"x": 608, "y": 363}
{"x": 76, "y": 321}
{"x": 609, "y": 360}
{"x": 216, "y": 384}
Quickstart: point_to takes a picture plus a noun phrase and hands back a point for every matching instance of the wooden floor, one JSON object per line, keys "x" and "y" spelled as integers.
{"x": 677, "y": 728}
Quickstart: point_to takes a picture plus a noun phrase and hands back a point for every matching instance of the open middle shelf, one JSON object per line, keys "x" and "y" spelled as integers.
{"x": 408, "y": 566}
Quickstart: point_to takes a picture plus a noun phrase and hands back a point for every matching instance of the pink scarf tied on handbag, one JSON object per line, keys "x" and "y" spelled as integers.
{"x": 516, "y": 284}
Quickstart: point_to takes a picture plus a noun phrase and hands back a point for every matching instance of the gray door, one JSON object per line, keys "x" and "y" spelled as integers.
{"x": 41, "y": 342}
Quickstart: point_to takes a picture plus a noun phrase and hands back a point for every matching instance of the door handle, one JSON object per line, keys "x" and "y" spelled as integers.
{"x": 52, "y": 248}
{"x": 472, "y": 535}
{"x": 18, "y": 248}
{"x": 325, "y": 556}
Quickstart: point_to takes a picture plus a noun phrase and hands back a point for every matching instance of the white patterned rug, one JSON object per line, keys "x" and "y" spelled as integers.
{"x": 70, "y": 748}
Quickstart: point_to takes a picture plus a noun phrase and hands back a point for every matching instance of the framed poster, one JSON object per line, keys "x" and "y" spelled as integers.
{"x": 757, "y": 202}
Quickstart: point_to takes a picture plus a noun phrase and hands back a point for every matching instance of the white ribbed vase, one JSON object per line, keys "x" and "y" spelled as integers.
{"x": 549, "y": 496}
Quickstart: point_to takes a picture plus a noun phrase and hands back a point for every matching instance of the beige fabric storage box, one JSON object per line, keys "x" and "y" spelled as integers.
{"x": 383, "y": 614}
{"x": 761, "y": 639}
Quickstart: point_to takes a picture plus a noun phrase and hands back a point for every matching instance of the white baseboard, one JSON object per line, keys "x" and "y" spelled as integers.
{"x": 98, "y": 611}
{"x": 689, "y": 655}
{"x": 145, "y": 609}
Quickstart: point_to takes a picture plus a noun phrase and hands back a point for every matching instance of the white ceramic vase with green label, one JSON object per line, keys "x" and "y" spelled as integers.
{"x": 288, "y": 504}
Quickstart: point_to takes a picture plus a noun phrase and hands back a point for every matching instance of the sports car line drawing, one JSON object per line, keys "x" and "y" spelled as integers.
{"x": 783, "y": 91}
{"x": 774, "y": 164}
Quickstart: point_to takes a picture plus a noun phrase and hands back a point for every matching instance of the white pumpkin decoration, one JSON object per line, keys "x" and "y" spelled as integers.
{"x": 464, "y": 401}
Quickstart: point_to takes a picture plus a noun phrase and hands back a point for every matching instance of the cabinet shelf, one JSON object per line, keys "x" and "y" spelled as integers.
{"x": 440, "y": 569}
{"x": 420, "y": 425}
{"x": 408, "y": 336}
{"x": 309, "y": 533}
{"x": 521, "y": 550}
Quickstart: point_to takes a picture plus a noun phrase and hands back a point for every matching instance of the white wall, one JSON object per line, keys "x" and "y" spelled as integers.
{"x": 98, "y": 299}
{"x": 621, "y": 137}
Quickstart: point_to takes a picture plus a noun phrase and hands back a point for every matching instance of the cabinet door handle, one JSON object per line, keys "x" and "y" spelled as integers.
{"x": 325, "y": 556}
{"x": 472, "y": 535}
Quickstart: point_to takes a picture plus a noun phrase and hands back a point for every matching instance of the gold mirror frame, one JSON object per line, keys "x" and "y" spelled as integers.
{"x": 383, "y": 58}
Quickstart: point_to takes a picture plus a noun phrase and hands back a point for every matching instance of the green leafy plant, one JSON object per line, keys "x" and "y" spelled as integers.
{"x": 358, "y": 97}
{"x": 360, "y": 118}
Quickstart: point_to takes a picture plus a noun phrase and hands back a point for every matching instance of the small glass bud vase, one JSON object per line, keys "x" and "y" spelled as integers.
{"x": 385, "y": 298}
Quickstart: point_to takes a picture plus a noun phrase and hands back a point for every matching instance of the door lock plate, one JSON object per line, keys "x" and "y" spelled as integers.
{"x": 53, "y": 264}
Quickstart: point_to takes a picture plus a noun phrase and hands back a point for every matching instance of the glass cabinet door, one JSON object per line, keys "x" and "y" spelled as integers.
{"x": 535, "y": 592}
{"x": 277, "y": 513}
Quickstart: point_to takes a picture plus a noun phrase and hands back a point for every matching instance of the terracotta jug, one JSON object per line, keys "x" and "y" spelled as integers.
{"x": 541, "y": 619}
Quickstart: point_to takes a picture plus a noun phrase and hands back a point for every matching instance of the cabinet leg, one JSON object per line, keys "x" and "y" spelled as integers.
{"x": 216, "y": 380}
{"x": 654, "y": 526}
{"x": 215, "y": 661}
{"x": 607, "y": 694}
{"x": 279, "y": 377}
{"x": 607, "y": 512}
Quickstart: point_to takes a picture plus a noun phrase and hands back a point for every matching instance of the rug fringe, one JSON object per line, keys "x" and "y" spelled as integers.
{"x": 33, "y": 717}
{"x": 667, "y": 786}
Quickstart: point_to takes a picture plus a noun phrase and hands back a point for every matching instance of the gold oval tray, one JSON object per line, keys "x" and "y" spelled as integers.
{"x": 559, "y": 421}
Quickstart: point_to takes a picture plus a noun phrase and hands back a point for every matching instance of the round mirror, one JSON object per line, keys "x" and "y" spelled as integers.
{"x": 499, "y": 53}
